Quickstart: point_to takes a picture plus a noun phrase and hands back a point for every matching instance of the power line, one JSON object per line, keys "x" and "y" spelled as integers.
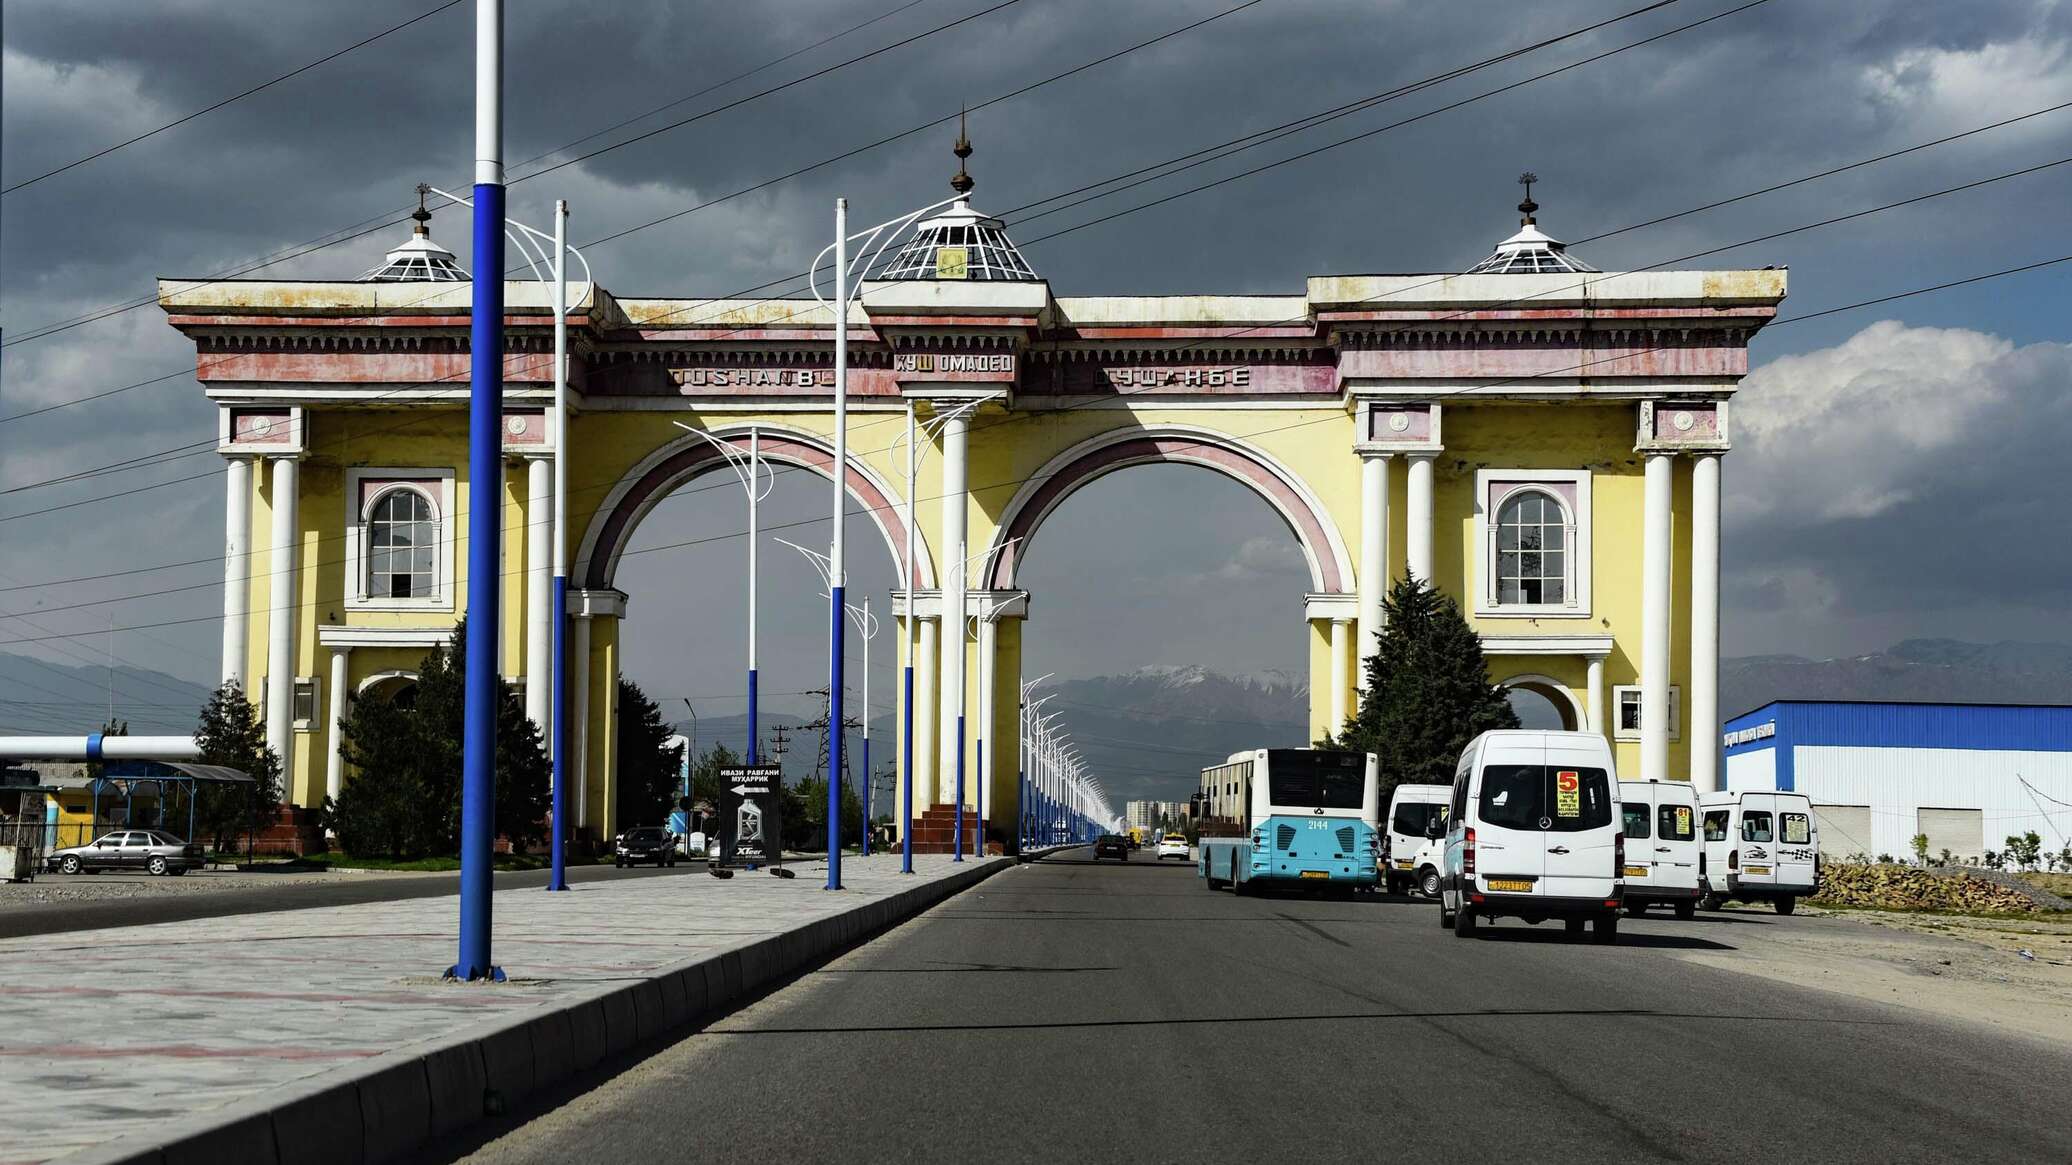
{"x": 184, "y": 371}
{"x": 395, "y": 217}
{"x": 359, "y": 44}
{"x": 1698, "y": 254}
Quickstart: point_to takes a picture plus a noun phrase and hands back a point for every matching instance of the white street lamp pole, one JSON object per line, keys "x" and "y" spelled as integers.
{"x": 757, "y": 480}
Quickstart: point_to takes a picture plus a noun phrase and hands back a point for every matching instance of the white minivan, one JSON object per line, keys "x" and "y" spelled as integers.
{"x": 1416, "y": 838}
{"x": 1662, "y": 848}
{"x": 1759, "y": 846}
{"x": 1533, "y": 833}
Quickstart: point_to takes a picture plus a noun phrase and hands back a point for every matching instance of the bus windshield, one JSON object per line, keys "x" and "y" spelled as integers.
{"x": 1314, "y": 779}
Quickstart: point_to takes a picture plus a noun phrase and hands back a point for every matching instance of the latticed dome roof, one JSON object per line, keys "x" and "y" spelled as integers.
{"x": 960, "y": 243}
{"x": 1530, "y": 251}
{"x": 418, "y": 259}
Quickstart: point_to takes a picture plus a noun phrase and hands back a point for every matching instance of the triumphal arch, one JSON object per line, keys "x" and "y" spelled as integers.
{"x": 1540, "y": 439}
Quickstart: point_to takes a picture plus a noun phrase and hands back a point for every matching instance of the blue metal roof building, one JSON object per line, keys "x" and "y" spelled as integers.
{"x": 1966, "y": 775}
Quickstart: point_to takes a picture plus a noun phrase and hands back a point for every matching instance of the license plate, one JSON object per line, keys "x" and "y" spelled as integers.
{"x": 1519, "y": 885}
{"x": 1636, "y": 871}
{"x": 1758, "y": 869}
{"x": 1316, "y": 873}
{"x": 1402, "y": 864}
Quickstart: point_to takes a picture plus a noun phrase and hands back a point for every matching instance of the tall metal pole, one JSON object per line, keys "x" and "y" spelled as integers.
{"x": 836, "y": 576}
{"x": 755, "y": 454}
{"x": 866, "y": 632}
{"x": 906, "y": 761}
{"x": 485, "y": 511}
{"x": 558, "y": 707}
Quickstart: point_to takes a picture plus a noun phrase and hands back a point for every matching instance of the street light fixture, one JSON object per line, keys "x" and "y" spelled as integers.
{"x": 757, "y": 479}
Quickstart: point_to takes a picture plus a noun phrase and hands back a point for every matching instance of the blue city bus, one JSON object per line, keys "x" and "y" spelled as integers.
{"x": 1297, "y": 817}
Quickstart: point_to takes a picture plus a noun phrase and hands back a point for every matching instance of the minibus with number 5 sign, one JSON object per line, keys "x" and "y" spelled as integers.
{"x": 1533, "y": 833}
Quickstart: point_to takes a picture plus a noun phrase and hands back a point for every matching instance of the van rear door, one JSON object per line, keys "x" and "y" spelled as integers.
{"x": 1637, "y": 822}
{"x": 1675, "y": 846}
{"x": 1509, "y": 805}
{"x": 1797, "y": 844}
{"x": 1755, "y": 835}
{"x": 1582, "y": 821}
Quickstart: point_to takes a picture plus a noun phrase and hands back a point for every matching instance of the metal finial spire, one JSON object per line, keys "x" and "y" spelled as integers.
{"x": 962, "y": 182}
{"x": 1528, "y": 206}
{"x": 423, "y": 216}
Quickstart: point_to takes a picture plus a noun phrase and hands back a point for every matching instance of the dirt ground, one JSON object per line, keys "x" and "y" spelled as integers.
{"x": 1971, "y": 970}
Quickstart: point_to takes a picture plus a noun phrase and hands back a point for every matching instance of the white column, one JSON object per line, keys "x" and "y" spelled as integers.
{"x": 281, "y": 598}
{"x": 1594, "y": 695}
{"x": 1341, "y": 677}
{"x": 1419, "y": 505}
{"x": 237, "y": 566}
{"x": 539, "y": 607}
{"x": 927, "y": 787}
{"x": 1701, "y": 716}
{"x": 578, "y": 732}
{"x": 1654, "y": 618}
{"x": 1374, "y": 555}
{"x": 955, "y": 507}
{"x": 988, "y": 646}
{"x": 334, "y": 759}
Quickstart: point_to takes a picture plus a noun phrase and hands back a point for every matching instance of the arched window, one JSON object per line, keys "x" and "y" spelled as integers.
{"x": 402, "y": 546}
{"x": 1533, "y": 550}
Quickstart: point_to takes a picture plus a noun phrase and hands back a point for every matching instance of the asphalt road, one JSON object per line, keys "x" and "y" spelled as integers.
{"x": 1074, "y": 1011}
{"x": 254, "y": 897}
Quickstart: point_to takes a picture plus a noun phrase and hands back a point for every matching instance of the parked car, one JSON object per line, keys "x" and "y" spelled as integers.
{"x": 128, "y": 849}
{"x": 646, "y": 843}
{"x": 1112, "y": 845}
{"x": 1173, "y": 845}
{"x": 1534, "y": 833}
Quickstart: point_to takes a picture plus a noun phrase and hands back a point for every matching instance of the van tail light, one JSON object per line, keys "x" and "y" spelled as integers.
{"x": 1467, "y": 852}
{"x": 1733, "y": 859}
{"x": 1619, "y": 853}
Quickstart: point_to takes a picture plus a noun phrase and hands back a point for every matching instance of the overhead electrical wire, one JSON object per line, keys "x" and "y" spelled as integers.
{"x": 268, "y": 84}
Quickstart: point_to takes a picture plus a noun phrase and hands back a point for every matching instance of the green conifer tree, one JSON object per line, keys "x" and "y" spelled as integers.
{"x": 1428, "y": 691}
{"x": 232, "y": 734}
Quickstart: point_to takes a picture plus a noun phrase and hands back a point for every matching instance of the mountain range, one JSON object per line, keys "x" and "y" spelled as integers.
{"x": 1146, "y": 732}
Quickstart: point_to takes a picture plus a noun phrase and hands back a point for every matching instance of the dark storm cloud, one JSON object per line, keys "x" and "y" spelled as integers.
{"x": 1786, "y": 88}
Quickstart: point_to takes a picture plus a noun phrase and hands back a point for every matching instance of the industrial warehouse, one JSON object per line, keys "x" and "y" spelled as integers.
{"x": 1967, "y": 776}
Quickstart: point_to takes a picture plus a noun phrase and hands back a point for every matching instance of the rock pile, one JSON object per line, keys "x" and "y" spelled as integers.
{"x": 1895, "y": 887}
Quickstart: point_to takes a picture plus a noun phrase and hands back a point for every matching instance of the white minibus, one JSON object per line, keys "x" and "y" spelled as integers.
{"x": 1759, "y": 847}
{"x": 1416, "y": 838}
{"x": 1533, "y": 833}
{"x": 1662, "y": 848}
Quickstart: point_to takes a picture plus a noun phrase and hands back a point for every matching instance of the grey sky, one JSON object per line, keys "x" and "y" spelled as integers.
{"x": 1915, "y": 510}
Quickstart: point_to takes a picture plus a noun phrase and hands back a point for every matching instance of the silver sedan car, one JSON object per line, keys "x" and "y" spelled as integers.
{"x": 128, "y": 849}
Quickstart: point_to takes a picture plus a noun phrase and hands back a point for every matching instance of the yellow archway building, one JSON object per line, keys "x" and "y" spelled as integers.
{"x": 1540, "y": 439}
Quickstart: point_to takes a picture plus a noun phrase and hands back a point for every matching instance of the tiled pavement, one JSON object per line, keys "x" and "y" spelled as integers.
{"x": 111, "y": 1033}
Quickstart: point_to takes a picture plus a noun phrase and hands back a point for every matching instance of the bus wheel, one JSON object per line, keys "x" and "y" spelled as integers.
{"x": 1786, "y": 904}
{"x": 1605, "y": 930}
{"x": 1636, "y": 909}
{"x": 1464, "y": 922}
{"x": 1428, "y": 882}
{"x": 1712, "y": 902}
{"x": 1573, "y": 926}
{"x": 1686, "y": 910}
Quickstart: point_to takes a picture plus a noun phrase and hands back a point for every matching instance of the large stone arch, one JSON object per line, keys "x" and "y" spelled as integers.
{"x": 687, "y": 457}
{"x": 1330, "y": 567}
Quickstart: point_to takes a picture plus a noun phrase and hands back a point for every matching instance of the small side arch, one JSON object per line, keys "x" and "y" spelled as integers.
{"x": 1557, "y": 693}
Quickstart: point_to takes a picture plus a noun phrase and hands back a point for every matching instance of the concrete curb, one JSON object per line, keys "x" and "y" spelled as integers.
{"x": 402, "y": 1100}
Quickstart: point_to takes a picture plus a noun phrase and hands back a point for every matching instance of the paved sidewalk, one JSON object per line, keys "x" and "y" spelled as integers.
{"x": 121, "y": 1032}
